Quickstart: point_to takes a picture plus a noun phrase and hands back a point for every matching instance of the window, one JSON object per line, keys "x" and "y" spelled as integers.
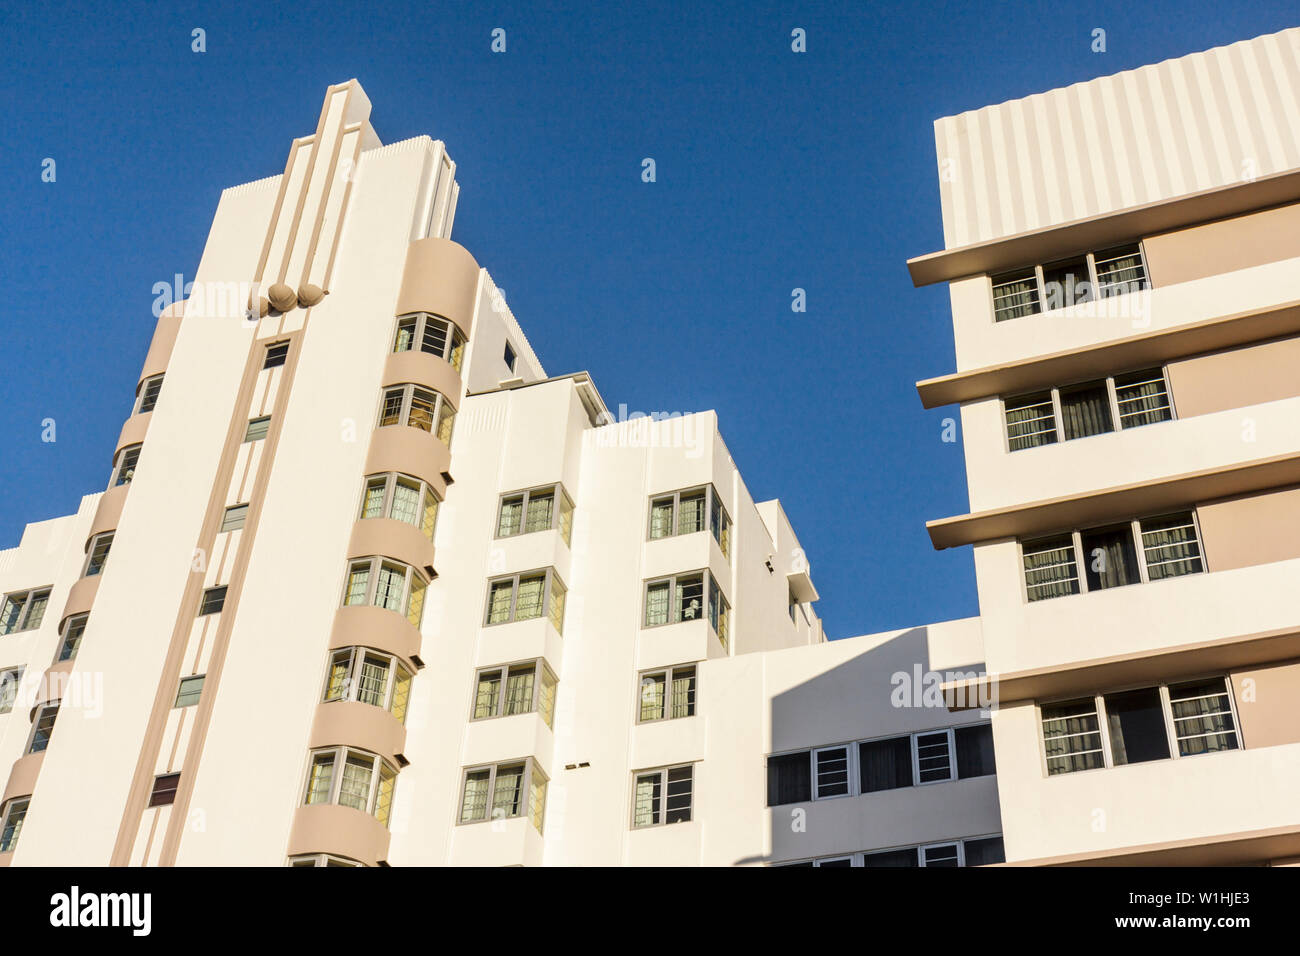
{"x": 830, "y": 772}
{"x": 421, "y": 408}
{"x": 685, "y": 512}
{"x": 983, "y": 851}
{"x": 15, "y": 811}
{"x": 191, "y": 688}
{"x": 934, "y": 757}
{"x": 276, "y": 355}
{"x": 509, "y": 357}
{"x": 885, "y": 764}
{"x": 23, "y": 610}
{"x": 150, "y": 389}
{"x": 431, "y": 334}
{"x": 322, "y": 859}
{"x": 789, "y": 778}
{"x": 214, "y": 599}
{"x": 124, "y": 465}
{"x": 1147, "y": 549}
{"x": 1091, "y": 408}
{"x": 42, "y": 728}
{"x": 973, "y": 851}
{"x": 10, "y": 680}
{"x": 524, "y": 512}
{"x": 388, "y": 584}
{"x": 99, "y": 546}
{"x": 401, "y": 498}
{"x": 351, "y": 778}
{"x": 941, "y": 854}
{"x": 234, "y": 517}
{"x": 667, "y": 694}
{"x": 502, "y": 791}
{"x": 526, "y": 688}
{"x": 522, "y": 597}
{"x": 719, "y": 612}
{"x": 974, "y": 751}
{"x": 1135, "y": 726}
{"x": 164, "y": 790}
{"x": 1037, "y": 289}
{"x": 257, "y": 428}
{"x": 370, "y": 677}
{"x": 72, "y": 633}
{"x": 663, "y": 796}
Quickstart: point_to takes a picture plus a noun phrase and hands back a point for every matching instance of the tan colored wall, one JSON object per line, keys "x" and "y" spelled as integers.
{"x": 1225, "y": 246}
{"x": 1266, "y": 706}
{"x": 1252, "y": 529}
{"x": 1236, "y": 378}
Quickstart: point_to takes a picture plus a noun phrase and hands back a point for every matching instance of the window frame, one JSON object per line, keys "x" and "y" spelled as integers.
{"x": 713, "y": 505}
{"x": 249, "y": 429}
{"x": 1096, "y": 291}
{"x": 125, "y": 464}
{"x": 949, "y": 732}
{"x": 531, "y": 770}
{"x": 662, "y": 815}
{"x": 859, "y": 858}
{"x": 204, "y": 602}
{"x": 15, "y": 680}
{"x": 561, "y": 511}
{"x": 10, "y": 832}
{"x": 436, "y": 415}
{"x": 674, "y": 611}
{"x": 549, "y": 599}
{"x": 454, "y": 340}
{"x": 25, "y": 601}
{"x": 1080, "y": 558}
{"x": 541, "y": 671}
{"x": 351, "y": 692}
{"x": 180, "y": 689}
{"x": 341, "y": 754}
{"x": 374, "y": 564}
{"x": 276, "y": 355}
{"x": 50, "y": 709}
{"x": 106, "y": 539}
{"x": 241, "y": 518}
{"x": 66, "y": 637}
{"x": 670, "y": 674}
{"x": 142, "y": 394}
{"x": 1098, "y": 698}
{"x": 158, "y": 794}
{"x": 1054, "y": 392}
{"x": 389, "y": 499}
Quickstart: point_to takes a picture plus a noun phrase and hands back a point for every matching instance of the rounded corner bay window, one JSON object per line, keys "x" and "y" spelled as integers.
{"x": 383, "y": 582}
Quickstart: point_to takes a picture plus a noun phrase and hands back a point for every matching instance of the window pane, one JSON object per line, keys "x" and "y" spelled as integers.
{"x": 645, "y": 810}
{"x": 322, "y": 776}
{"x": 1072, "y": 737}
{"x": 9, "y": 681}
{"x": 1066, "y": 283}
{"x": 473, "y": 804}
{"x": 1110, "y": 558}
{"x": 683, "y": 703}
{"x": 653, "y": 695}
{"x": 354, "y": 788}
{"x": 789, "y": 778}
{"x": 566, "y": 520}
{"x": 336, "y": 688}
{"x": 1120, "y": 270}
{"x": 390, "y": 413}
{"x": 372, "y": 505}
{"x": 388, "y": 587}
{"x": 1202, "y": 715}
{"x": 557, "y": 605}
{"x": 1085, "y": 411}
{"x": 974, "y": 751}
{"x": 1015, "y": 295}
{"x": 690, "y": 513}
{"x": 430, "y": 518}
{"x": 539, "y": 512}
{"x": 656, "y": 603}
{"x": 457, "y": 350}
{"x": 1142, "y": 398}
{"x": 677, "y": 807}
{"x": 384, "y": 797}
{"x": 832, "y": 772}
{"x": 985, "y": 851}
{"x": 42, "y": 730}
{"x": 15, "y": 813}
{"x": 894, "y": 858}
{"x": 519, "y": 690}
{"x": 661, "y": 518}
{"x": 511, "y": 519}
{"x": 933, "y": 760}
{"x": 532, "y": 592}
{"x": 507, "y": 793}
{"x": 406, "y": 502}
{"x": 11, "y": 613}
{"x": 1050, "y": 569}
{"x": 405, "y": 337}
{"x": 36, "y": 606}
{"x": 1170, "y": 547}
{"x": 1031, "y": 421}
{"x": 415, "y": 602}
{"x": 537, "y": 800}
{"x": 373, "y": 680}
{"x": 945, "y": 855}
{"x": 190, "y": 690}
{"x": 423, "y": 403}
{"x": 72, "y": 637}
{"x": 401, "y": 693}
{"x": 358, "y": 581}
{"x": 446, "y": 418}
{"x": 435, "y": 338}
{"x": 234, "y": 518}
{"x": 1137, "y": 726}
{"x": 885, "y": 764}
{"x": 487, "y": 694}
{"x": 689, "y": 602}
{"x": 499, "y": 601}
{"x": 546, "y": 698}
{"x": 149, "y": 397}
{"x": 257, "y": 428}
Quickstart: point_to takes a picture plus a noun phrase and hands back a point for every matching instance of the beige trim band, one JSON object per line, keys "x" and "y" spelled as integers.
{"x": 377, "y": 627}
{"x": 22, "y": 777}
{"x": 391, "y": 539}
{"x": 342, "y": 831}
{"x": 350, "y": 723}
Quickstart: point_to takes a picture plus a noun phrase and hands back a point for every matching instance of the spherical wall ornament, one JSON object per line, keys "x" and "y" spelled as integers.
{"x": 309, "y": 295}
{"x": 282, "y": 297}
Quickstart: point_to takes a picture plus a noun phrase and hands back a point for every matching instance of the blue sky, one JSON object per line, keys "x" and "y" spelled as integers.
{"x": 775, "y": 170}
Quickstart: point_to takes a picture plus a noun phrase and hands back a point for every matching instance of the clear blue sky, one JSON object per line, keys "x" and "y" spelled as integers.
{"x": 775, "y": 171}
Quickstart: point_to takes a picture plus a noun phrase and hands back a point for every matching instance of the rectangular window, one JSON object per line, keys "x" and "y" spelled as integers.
{"x": 421, "y": 408}
{"x": 164, "y": 790}
{"x": 941, "y": 854}
{"x": 682, "y": 598}
{"x": 276, "y": 355}
{"x": 892, "y": 858}
{"x": 387, "y": 584}
{"x": 1015, "y": 295}
{"x": 934, "y": 757}
{"x": 974, "y": 751}
{"x": 214, "y": 599}
{"x": 984, "y": 851}
{"x": 72, "y": 634}
{"x": 523, "y": 597}
{"x": 1031, "y": 420}
{"x": 515, "y": 689}
{"x": 98, "y": 556}
{"x": 831, "y": 769}
{"x": 689, "y": 511}
{"x": 667, "y": 694}
{"x": 365, "y": 781}
{"x": 234, "y": 518}
{"x": 401, "y": 498}
{"x": 1120, "y": 270}
{"x": 187, "y": 695}
{"x": 1136, "y": 726}
{"x": 42, "y": 728}
{"x": 538, "y": 509}
{"x": 431, "y": 334}
{"x": 663, "y": 796}
{"x": 15, "y": 812}
{"x": 1169, "y": 547}
{"x": 1090, "y": 408}
{"x": 503, "y": 791}
{"x": 124, "y": 467}
{"x": 1066, "y": 283}
{"x": 10, "y": 680}
{"x": 257, "y": 428}
{"x": 1103, "y": 273}
{"x": 149, "y": 392}
{"x": 789, "y": 778}
{"x": 1085, "y": 410}
{"x": 885, "y": 764}
{"x": 1142, "y": 398}
{"x": 23, "y": 610}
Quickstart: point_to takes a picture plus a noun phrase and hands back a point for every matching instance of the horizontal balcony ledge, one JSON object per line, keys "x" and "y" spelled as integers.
{"x": 1084, "y": 677}
{"x": 1108, "y": 229}
{"x": 1121, "y": 501}
{"x": 1146, "y": 348}
{"x": 1229, "y": 849}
